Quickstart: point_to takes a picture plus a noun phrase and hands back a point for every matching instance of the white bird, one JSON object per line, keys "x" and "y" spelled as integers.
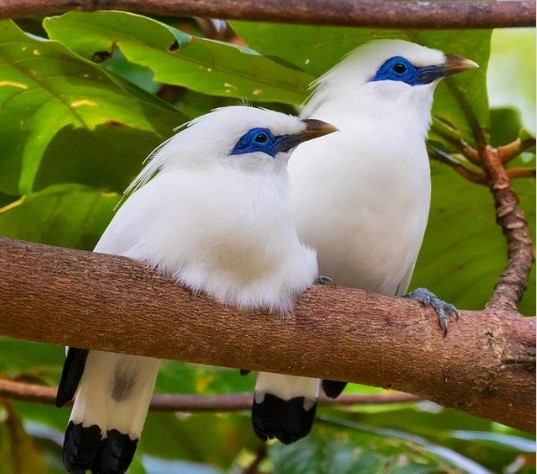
{"x": 210, "y": 210}
{"x": 361, "y": 197}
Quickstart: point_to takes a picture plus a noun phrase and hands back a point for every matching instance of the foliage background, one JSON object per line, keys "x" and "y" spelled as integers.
{"x": 85, "y": 97}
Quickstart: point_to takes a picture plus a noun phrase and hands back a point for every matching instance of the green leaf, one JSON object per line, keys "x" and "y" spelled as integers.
{"x": 201, "y": 437}
{"x": 64, "y": 215}
{"x": 182, "y": 377}
{"x": 498, "y": 440}
{"x": 341, "y": 448}
{"x": 202, "y": 65}
{"x": 505, "y": 125}
{"x": 31, "y": 361}
{"x": 464, "y": 250}
{"x": 46, "y": 88}
{"x": 18, "y": 454}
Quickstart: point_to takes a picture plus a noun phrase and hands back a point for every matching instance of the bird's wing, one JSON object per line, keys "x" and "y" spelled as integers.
{"x": 72, "y": 371}
{"x": 403, "y": 285}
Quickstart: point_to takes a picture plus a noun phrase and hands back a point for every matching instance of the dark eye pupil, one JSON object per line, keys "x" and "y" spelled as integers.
{"x": 399, "y": 68}
{"x": 261, "y": 138}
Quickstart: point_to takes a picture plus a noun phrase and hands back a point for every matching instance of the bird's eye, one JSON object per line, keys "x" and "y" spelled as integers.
{"x": 261, "y": 138}
{"x": 399, "y": 68}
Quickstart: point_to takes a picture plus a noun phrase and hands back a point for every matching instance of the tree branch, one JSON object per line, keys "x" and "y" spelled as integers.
{"x": 27, "y": 392}
{"x": 385, "y": 14}
{"x": 485, "y": 365}
{"x": 511, "y": 285}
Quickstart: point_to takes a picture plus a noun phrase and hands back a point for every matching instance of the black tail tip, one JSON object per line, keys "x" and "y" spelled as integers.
{"x": 115, "y": 454}
{"x": 333, "y": 388}
{"x": 80, "y": 447}
{"x": 286, "y": 420}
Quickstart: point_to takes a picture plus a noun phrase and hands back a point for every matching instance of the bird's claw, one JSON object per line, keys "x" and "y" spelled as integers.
{"x": 324, "y": 280}
{"x": 443, "y": 309}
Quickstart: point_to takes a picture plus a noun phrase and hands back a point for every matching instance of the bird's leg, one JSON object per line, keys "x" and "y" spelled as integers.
{"x": 428, "y": 298}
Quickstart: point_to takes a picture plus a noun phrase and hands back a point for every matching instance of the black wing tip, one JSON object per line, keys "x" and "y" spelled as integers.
{"x": 73, "y": 368}
{"x": 333, "y": 388}
{"x": 80, "y": 447}
{"x": 63, "y": 396}
{"x": 286, "y": 420}
{"x": 115, "y": 454}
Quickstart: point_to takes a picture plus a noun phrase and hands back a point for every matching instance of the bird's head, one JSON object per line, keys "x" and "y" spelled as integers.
{"x": 236, "y": 137}
{"x": 392, "y": 73}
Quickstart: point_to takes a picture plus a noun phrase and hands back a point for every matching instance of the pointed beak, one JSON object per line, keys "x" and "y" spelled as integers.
{"x": 455, "y": 64}
{"x": 314, "y": 129}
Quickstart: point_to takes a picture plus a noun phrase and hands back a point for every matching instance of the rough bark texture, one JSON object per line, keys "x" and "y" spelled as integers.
{"x": 512, "y": 283}
{"x": 379, "y": 14}
{"x": 485, "y": 366}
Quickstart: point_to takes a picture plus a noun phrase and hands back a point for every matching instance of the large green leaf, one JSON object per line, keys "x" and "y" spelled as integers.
{"x": 176, "y": 58}
{"x": 45, "y": 88}
{"x": 63, "y": 215}
{"x": 351, "y": 448}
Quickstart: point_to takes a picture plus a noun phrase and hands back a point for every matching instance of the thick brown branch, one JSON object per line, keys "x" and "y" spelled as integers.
{"x": 385, "y": 14}
{"x": 514, "y": 280}
{"x": 27, "y": 392}
{"x": 484, "y": 366}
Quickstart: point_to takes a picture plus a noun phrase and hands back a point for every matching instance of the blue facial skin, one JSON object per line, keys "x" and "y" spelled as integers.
{"x": 402, "y": 70}
{"x": 262, "y": 140}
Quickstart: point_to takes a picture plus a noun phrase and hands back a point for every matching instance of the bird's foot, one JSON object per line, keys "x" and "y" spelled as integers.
{"x": 324, "y": 280}
{"x": 443, "y": 309}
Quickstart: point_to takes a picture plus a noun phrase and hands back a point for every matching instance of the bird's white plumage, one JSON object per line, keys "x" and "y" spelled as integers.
{"x": 362, "y": 198}
{"x": 213, "y": 222}
{"x": 185, "y": 220}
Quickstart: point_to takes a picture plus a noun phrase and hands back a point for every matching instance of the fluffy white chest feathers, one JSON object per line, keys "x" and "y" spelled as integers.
{"x": 367, "y": 212}
{"x": 225, "y": 232}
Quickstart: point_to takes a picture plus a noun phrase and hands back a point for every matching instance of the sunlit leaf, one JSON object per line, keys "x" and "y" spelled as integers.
{"x": 176, "y": 58}
{"x": 45, "y": 88}
{"x": 63, "y": 215}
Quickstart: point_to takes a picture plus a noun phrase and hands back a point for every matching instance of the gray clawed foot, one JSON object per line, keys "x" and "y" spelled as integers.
{"x": 443, "y": 309}
{"x": 324, "y": 280}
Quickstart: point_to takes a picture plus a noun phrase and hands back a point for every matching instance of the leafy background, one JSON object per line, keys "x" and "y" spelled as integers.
{"x": 85, "y": 97}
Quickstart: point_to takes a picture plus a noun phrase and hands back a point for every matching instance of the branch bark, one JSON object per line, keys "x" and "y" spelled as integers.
{"x": 385, "y": 14}
{"x": 485, "y": 366}
{"x": 512, "y": 283}
{"x": 34, "y": 393}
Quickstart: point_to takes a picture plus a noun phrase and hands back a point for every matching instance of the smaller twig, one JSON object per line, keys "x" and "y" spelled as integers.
{"x": 470, "y": 153}
{"x": 470, "y": 175}
{"x": 512, "y": 283}
{"x": 512, "y": 150}
{"x": 252, "y": 468}
{"x": 451, "y": 136}
{"x": 521, "y": 173}
{"x": 192, "y": 402}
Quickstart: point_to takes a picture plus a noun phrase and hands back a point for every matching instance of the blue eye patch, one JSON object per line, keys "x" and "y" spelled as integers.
{"x": 262, "y": 140}
{"x": 402, "y": 70}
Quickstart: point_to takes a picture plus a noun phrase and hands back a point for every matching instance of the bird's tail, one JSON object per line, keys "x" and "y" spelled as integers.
{"x": 109, "y": 412}
{"x": 284, "y": 406}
